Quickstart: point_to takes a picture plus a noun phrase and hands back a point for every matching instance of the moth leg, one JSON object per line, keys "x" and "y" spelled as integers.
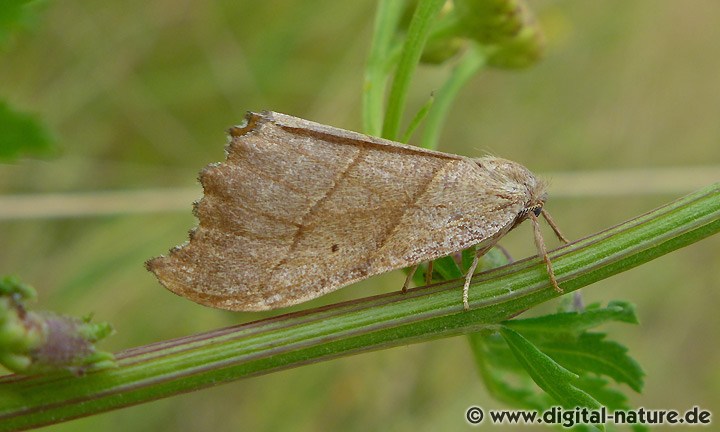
{"x": 554, "y": 227}
{"x": 468, "y": 276}
{"x": 429, "y": 273}
{"x": 578, "y": 303}
{"x": 409, "y": 277}
{"x": 542, "y": 251}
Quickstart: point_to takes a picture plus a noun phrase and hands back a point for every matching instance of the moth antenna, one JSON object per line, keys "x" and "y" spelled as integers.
{"x": 554, "y": 227}
{"x": 542, "y": 251}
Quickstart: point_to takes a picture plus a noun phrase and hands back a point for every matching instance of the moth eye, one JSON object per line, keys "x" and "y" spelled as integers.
{"x": 537, "y": 210}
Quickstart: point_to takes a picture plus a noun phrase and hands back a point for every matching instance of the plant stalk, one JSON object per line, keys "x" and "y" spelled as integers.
{"x": 256, "y": 348}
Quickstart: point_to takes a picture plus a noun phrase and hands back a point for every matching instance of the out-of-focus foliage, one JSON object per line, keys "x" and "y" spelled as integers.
{"x": 33, "y": 342}
{"x": 20, "y": 134}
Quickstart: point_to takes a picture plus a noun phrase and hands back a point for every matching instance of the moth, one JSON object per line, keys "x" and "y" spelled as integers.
{"x": 299, "y": 209}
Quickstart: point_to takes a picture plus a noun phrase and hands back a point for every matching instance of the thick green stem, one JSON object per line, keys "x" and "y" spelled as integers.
{"x": 291, "y": 340}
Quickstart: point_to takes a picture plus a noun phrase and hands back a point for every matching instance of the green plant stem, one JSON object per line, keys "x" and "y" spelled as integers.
{"x": 471, "y": 63}
{"x": 418, "y": 32}
{"x": 379, "y": 63}
{"x": 373, "y": 323}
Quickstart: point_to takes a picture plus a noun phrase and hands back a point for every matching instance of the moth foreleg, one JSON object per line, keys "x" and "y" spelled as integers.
{"x": 542, "y": 251}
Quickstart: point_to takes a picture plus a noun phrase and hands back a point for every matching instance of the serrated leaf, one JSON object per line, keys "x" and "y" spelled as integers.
{"x": 22, "y": 135}
{"x": 563, "y": 336}
{"x": 569, "y": 362}
{"x": 550, "y": 376}
{"x": 598, "y": 387}
{"x": 592, "y": 353}
{"x": 496, "y": 366}
{"x": 576, "y": 322}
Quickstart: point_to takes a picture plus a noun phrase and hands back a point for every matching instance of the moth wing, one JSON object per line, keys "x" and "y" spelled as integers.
{"x": 300, "y": 209}
{"x": 463, "y": 205}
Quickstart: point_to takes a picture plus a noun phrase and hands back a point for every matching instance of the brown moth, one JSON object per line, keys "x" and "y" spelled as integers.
{"x": 300, "y": 209}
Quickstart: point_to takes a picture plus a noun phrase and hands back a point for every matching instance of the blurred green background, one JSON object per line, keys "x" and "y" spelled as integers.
{"x": 139, "y": 95}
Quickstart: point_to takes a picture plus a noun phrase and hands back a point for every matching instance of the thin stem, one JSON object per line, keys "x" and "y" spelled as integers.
{"x": 378, "y": 64}
{"x": 471, "y": 63}
{"x": 417, "y": 35}
{"x": 92, "y": 204}
{"x": 373, "y": 323}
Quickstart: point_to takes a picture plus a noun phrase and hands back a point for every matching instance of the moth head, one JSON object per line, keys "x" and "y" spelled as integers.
{"x": 536, "y": 209}
{"x": 535, "y": 201}
{"x": 515, "y": 180}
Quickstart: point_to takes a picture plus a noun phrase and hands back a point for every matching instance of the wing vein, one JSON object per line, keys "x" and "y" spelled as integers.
{"x": 399, "y": 219}
{"x": 328, "y": 193}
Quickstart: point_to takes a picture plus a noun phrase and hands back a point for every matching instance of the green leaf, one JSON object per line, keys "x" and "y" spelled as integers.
{"x": 550, "y": 376}
{"x": 561, "y": 358}
{"x": 563, "y": 336}
{"x": 592, "y": 353}
{"x": 419, "y": 117}
{"x": 599, "y": 387}
{"x": 576, "y": 322}
{"x": 447, "y": 268}
{"x": 609, "y": 397}
{"x": 496, "y": 364}
{"x": 22, "y": 135}
{"x": 14, "y": 14}
{"x": 444, "y": 269}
